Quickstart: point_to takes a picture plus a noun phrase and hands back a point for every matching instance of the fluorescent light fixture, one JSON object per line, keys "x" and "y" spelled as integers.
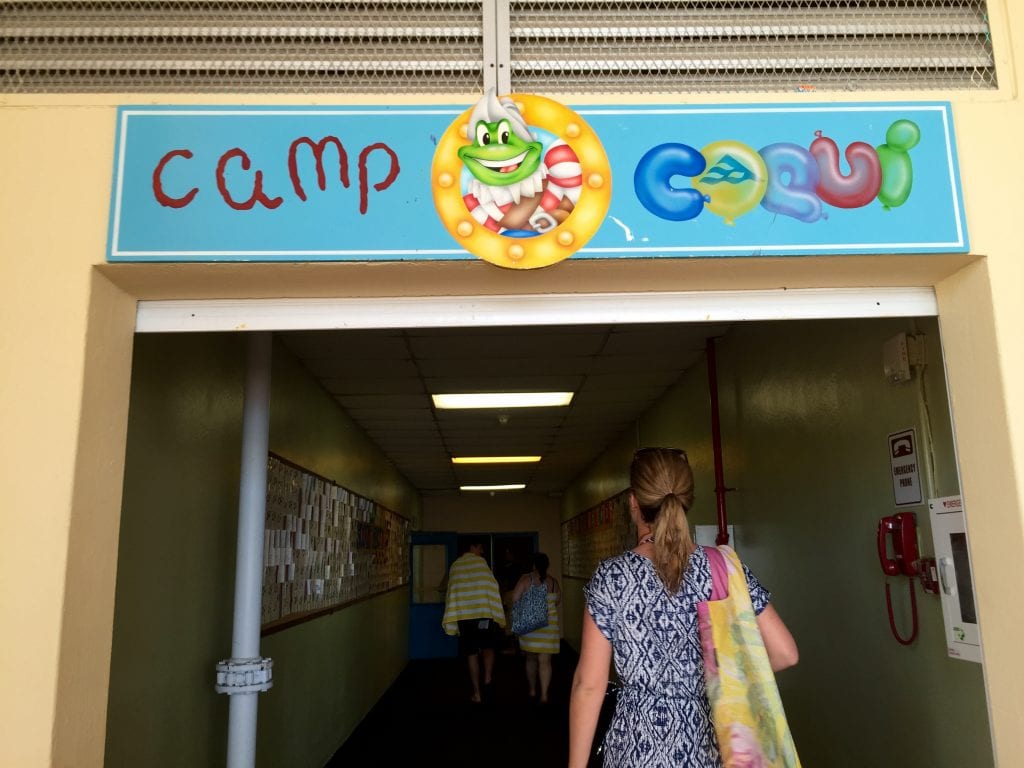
{"x": 495, "y": 459}
{"x": 503, "y": 400}
{"x": 507, "y": 487}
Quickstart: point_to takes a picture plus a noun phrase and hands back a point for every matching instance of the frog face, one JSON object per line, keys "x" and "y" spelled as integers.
{"x": 497, "y": 157}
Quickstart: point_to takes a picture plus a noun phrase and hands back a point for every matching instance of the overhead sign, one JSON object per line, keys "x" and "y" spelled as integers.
{"x": 906, "y": 475}
{"x": 360, "y": 183}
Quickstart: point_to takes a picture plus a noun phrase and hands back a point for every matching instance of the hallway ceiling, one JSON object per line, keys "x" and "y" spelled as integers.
{"x": 384, "y": 378}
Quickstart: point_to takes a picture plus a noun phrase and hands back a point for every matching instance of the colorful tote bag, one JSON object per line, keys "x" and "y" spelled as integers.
{"x": 530, "y": 611}
{"x": 745, "y": 704}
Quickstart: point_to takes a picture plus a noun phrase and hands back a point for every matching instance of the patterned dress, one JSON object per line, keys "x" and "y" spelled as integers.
{"x": 662, "y": 719}
{"x": 546, "y": 639}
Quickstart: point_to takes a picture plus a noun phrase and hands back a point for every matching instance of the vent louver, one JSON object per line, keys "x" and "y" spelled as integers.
{"x": 592, "y": 46}
{"x": 434, "y": 46}
{"x": 414, "y": 46}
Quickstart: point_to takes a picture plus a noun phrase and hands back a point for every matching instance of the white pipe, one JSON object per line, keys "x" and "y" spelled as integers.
{"x": 242, "y": 729}
{"x": 252, "y": 502}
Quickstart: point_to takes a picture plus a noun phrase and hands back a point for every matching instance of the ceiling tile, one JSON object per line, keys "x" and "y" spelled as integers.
{"x": 382, "y": 377}
{"x": 342, "y": 367}
{"x": 373, "y": 385}
{"x": 380, "y": 402}
{"x": 372, "y": 344}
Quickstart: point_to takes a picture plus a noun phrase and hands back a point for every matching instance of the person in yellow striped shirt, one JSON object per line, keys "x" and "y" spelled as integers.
{"x": 474, "y": 612}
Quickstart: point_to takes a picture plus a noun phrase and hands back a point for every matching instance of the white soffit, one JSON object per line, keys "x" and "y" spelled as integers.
{"x": 546, "y": 309}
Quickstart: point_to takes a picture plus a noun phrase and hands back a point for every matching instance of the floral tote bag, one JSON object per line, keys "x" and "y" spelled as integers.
{"x": 530, "y": 611}
{"x": 746, "y": 708}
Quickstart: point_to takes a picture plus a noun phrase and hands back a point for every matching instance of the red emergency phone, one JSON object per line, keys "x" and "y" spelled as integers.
{"x": 898, "y": 555}
{"x": 897, "y": 544}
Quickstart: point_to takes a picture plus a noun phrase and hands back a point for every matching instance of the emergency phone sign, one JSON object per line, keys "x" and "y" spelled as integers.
{"x": 906, "y": 478}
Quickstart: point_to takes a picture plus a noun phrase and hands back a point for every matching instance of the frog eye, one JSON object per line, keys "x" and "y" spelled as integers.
{"x": 483, "y": 136}
{"x": 503, "y": 132}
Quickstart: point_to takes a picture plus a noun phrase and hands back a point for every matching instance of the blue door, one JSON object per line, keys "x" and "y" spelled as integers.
{"x": 432, "y": 556}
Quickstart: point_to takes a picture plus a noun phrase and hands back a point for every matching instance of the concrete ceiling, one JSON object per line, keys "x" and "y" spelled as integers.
{"x": 384, "y": 378}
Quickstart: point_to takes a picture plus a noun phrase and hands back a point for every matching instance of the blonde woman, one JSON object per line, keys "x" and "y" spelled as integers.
{"x": 642, "y": 612}
{"x": 542, "y": 643}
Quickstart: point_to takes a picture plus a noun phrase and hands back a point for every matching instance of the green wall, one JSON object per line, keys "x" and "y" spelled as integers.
{"x": 176, "y": 559}
{"x": 805, "y": 415}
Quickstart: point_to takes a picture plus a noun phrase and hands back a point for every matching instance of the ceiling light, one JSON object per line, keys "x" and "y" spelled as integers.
{"x": 508, "y": 487}
{"x": 495, "y": 459}
{"x": 503, "y": 400}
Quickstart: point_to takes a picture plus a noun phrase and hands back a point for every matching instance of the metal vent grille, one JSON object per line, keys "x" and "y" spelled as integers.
{"x": 595, "y": 46}
{"x": 435, "y": 46}
{"x": 410, "y": 46}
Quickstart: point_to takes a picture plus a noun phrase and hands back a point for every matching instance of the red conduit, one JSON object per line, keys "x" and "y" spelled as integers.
{"x": 716, "y": 442}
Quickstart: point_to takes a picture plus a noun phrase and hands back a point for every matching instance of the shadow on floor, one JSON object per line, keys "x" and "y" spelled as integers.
{"x": 426, "y": 718}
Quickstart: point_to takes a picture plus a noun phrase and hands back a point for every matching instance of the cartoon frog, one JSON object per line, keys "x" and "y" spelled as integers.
{"x": 517, "y": 188}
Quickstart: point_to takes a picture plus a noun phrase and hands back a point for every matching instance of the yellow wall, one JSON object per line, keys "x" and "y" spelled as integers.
{"x": 66, "y": 357}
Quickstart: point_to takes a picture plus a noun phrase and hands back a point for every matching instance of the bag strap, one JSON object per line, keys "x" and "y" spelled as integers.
{"x": 719, "y": 573}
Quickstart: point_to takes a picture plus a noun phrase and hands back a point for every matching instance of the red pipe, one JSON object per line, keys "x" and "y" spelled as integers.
{"x": 716, "y": 442}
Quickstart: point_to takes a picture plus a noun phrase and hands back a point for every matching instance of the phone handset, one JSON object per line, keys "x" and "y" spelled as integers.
{"x": 889, "y": 565}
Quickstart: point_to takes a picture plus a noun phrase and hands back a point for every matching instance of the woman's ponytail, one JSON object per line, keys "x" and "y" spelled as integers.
{"x": 672, "y": 543}
{"x": 662, "y": 483}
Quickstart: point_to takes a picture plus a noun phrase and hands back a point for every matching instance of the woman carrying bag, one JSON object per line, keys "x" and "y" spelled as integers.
{"x": 642, "y": 611}
{"x": 541, "y": 643}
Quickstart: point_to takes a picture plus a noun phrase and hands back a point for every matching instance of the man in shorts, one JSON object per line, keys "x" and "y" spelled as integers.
{"x": 474, "y": 612}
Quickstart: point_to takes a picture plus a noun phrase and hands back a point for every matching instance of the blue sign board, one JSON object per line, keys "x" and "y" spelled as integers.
{"x": 355, "y": 184}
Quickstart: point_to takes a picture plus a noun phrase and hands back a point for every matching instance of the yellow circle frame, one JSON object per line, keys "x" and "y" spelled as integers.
{"x": 544, "y": 249}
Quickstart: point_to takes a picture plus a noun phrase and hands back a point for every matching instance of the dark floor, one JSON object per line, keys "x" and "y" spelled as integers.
{"x": 426, "y": 718}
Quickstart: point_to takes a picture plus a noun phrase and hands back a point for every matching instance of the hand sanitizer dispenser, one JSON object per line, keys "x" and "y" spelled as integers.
{"x": 956, "y": 584}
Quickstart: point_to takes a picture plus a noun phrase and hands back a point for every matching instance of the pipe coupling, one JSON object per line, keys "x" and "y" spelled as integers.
{"x": 244, "y": 676}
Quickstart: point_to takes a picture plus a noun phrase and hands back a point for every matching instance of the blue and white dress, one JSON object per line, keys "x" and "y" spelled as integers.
{"x": 662, "y": 719}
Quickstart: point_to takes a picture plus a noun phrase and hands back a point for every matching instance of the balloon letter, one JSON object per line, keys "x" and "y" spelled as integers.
{"x": 652, "y": 181}
{"x": 897, "y": 168}
{"x": 735, "y": 181}
{"x": 794, "y": 197}
{"x": 853, "y": 191}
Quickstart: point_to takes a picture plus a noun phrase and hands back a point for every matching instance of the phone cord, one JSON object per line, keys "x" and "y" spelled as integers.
{"x": 913, "y": 614}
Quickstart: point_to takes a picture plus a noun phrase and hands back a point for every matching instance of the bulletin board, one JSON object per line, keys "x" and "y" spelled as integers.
{"x": 325, "y": 546}
{"x": 603, "y": 531}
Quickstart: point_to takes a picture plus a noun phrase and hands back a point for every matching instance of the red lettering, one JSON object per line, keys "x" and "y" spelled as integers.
{"x": 318, "y": 154}
{"x": 158, "y": 187}
{"x": 380, "y": 186}
{"x": 257, "y": 188}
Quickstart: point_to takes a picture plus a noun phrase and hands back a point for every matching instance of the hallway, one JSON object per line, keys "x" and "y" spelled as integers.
{"x": 425, "y": 717}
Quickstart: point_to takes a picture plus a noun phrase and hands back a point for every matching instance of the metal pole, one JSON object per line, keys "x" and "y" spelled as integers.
{"x": 245, "y": 675}
{"x": 716, "y": 442}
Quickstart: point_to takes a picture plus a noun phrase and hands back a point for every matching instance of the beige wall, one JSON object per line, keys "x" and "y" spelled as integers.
{"x": 66, "y": 357}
